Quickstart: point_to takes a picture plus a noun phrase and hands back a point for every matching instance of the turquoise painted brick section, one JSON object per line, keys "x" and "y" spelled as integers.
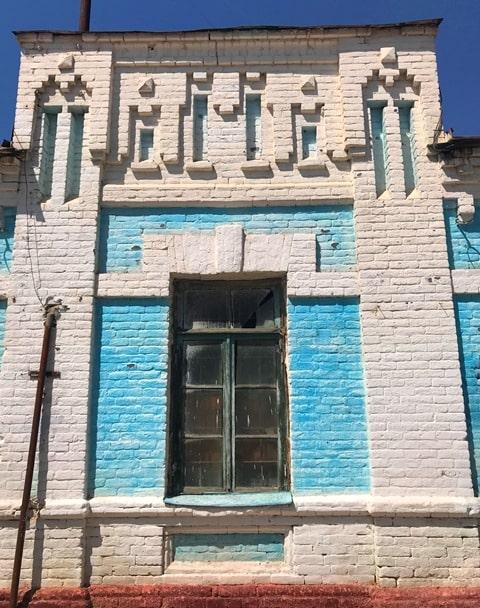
{"x": 327, "y": 402}
{"x": 6, "y": 239}
{"x": 129, "y": 397}
{"x": 228, "y": 547}
{"x": 3, "y": 314}
{"x": 463, "y": 241}
{"x": 467, "y": 309}
{"x": 121, "y": 230}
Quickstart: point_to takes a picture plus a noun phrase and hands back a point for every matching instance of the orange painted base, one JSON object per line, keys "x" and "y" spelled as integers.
{"x": 247, "y": 596}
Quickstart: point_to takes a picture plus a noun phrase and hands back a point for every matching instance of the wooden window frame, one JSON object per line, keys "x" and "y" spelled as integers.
{"x": 228, "y": 338}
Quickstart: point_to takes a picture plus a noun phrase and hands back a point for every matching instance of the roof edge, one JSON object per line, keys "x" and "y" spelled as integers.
{"x": 242, "y": 28}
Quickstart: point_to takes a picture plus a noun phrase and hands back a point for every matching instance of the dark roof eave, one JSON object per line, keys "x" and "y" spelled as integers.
{"x": 9, "y": 151}
{"x": 457, "y": 143}
{"x": 418, "y": 23}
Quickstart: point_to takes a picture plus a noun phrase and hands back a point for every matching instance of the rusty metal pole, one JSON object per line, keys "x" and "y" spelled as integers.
{"x": 50, "y": 322}
{"x": 84, "y": 23}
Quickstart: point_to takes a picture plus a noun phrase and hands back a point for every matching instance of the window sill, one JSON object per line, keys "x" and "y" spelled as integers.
{"x": 247, "y": 499}
{"x": 255, "y": 165}
{"x": 310, "y": 164}
{"x": 199, "y": 166}
{"x": 145, "y": 166}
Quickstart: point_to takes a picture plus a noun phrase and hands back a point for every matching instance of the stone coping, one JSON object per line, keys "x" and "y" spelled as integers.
{"x": 347, "y": 505}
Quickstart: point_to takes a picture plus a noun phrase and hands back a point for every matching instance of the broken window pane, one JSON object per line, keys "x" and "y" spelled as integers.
{"x": 253, "y": 308}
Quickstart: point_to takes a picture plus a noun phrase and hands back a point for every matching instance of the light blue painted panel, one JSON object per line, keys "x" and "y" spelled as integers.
{"x": 463, "y": 241}
{"x": 3, "y": 314}
{"x": 253, "y": 125}
{"x": 129, "y": 397}
{"x": 50, "y": 119}
{"x": 379, "y": 150}
{"x": 6, "y": 238}
{"x": 467, "y": 309}
{"x": 228, "y": 547}
{"x": 74, "y": 158}
{"x": 405, "y": 113}
{"x": 327, "y": 402}
{"x": 122, "y": 230}
{"x": 231, "y": 499}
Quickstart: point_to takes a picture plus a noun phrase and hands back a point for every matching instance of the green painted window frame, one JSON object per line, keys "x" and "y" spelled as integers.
{"x": 228, "y": 338}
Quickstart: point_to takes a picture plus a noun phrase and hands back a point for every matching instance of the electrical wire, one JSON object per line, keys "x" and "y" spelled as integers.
{"x": 470, "y": 247}
{"x": 35, "y": 240}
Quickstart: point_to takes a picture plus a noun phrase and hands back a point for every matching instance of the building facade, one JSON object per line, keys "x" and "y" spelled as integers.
{"x": 266, "y": 363}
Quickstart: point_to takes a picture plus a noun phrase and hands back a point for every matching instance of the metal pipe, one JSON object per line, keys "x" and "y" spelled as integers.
{"x": 50, "y": 322}
{"x": 85, "y": 9}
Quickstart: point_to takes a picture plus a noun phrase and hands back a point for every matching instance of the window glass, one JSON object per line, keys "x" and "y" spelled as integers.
{"x": 203, "y": 463}
{"x": 203, "y": 364}
{"x": 203, "y": 411}
{"x": 256, "y": 363}
{"x": 256, "y": 411}
{"x": 205, "y": 308}
{"x": 256, "y": 462}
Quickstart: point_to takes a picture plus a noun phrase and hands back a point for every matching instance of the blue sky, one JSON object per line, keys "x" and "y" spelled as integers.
{"x": 458, "y": 40}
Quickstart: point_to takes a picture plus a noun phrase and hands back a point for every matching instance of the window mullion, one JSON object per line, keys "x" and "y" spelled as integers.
{"x": 281, "y": 417}
{"x": 232, "y": 410}
{"x": 227, "y": 409}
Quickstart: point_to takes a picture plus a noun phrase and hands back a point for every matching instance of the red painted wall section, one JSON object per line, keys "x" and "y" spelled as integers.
{"x": 248, "y": 596}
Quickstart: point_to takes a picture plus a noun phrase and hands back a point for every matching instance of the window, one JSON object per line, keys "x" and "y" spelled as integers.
{"x": 405, "y": 119}
{"x": 200, "y": 114}
{"x": 228, "y": 410}
{"x": 49, "y": 128}
{"x": 379, "y": 150}
{"x": 309, "y": 142}
{"x": 146, "y": 145}
{"x": 74, "y": 158}
{"x": 253, "y": 120}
